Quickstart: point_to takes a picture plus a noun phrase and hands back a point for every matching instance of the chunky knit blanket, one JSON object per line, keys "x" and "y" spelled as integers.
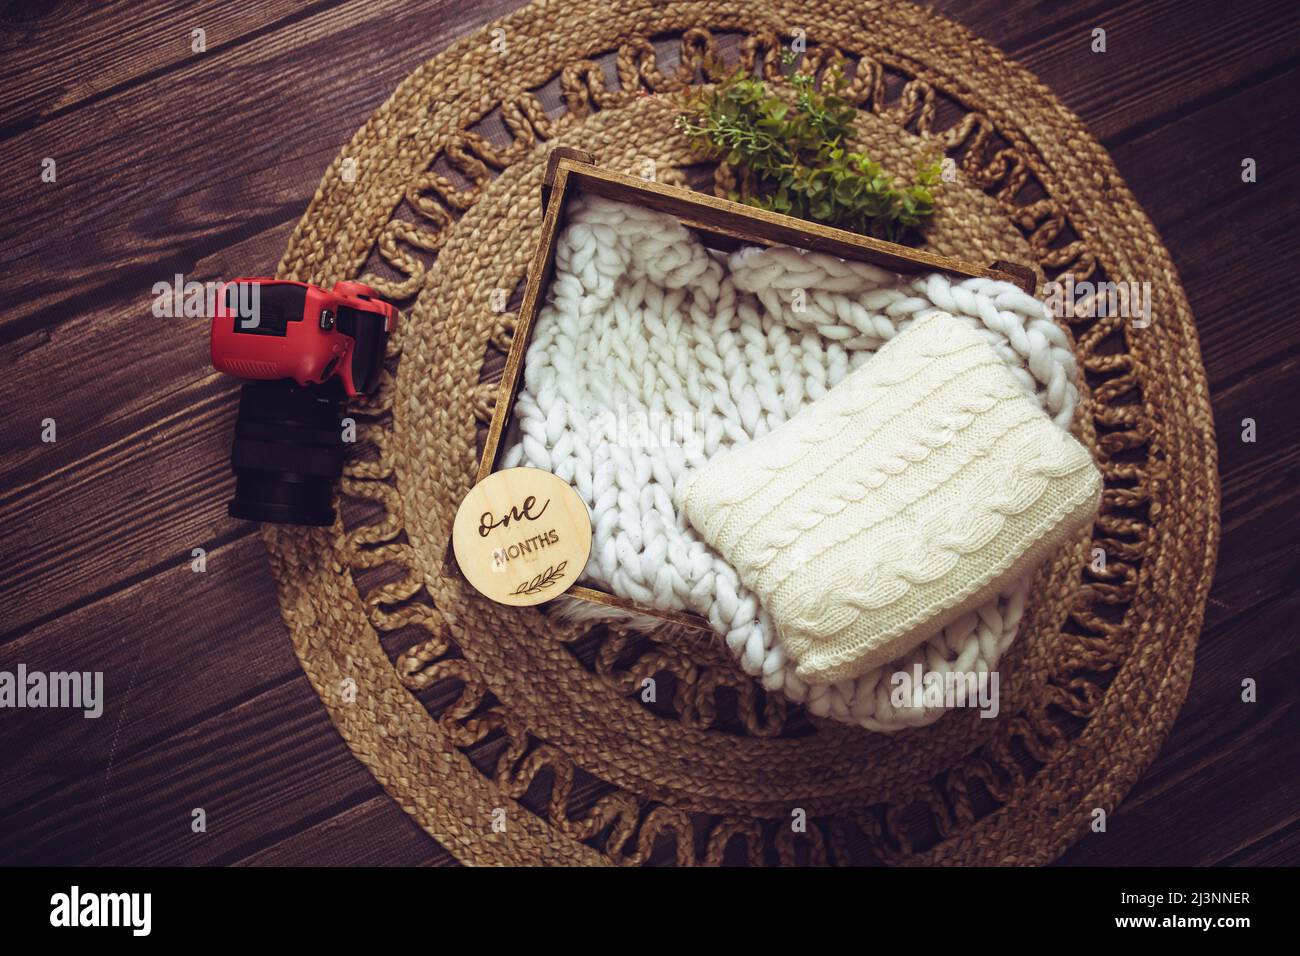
{"x": 653, "y": 355}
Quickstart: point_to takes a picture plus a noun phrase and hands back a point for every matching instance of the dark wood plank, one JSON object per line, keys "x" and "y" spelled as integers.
{"x": 54, "y": 57}
{"x": 1162, "y": 58}
{"x": 266, "y": 768}
{"x": 165, "y": 669}
{"x": 1224, "y": 233}
{"x": 374, "y": 833}
{"x": 118, "y": 495}
{"x": 199, "y": 130}
{"x": 1278, "y": 847}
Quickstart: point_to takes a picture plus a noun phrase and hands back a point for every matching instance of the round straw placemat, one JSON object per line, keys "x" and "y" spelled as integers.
{"x": 512, "y": 737}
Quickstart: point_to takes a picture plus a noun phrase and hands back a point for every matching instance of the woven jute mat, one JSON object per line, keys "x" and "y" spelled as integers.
{"x": 513, "y": 738}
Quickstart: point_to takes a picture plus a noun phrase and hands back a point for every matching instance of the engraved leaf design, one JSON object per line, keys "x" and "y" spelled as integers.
{"x": 543, "y": 580}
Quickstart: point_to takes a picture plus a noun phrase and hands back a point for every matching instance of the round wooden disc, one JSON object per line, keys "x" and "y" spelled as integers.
{"x": 522, "y": 536}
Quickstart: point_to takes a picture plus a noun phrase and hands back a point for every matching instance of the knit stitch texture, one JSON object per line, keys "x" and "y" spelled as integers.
{"x": 653, "y": 356}
{"x": 915, "y": 490}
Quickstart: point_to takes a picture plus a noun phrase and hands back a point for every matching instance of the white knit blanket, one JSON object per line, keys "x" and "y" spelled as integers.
{"x": 653, "y": 354}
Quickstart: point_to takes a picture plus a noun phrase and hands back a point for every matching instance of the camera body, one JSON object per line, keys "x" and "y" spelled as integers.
{"x": 272, "y": 329}
{"x": 308, "y": 351}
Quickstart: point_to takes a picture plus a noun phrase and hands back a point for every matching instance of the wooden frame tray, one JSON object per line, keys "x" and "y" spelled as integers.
{"x": 719, "y": 224}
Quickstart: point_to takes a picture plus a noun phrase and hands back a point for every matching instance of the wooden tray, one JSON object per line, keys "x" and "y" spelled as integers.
{"x": 720, "y": 224}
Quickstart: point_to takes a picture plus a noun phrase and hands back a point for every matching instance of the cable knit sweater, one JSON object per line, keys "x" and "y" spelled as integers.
{"x": 912, "y": 492}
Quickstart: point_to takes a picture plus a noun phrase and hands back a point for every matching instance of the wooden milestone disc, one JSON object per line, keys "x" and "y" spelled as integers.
{"x": 522, "y": 536}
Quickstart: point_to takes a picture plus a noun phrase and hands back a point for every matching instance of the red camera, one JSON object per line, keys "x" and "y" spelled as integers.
{"x": 275, "y": 329}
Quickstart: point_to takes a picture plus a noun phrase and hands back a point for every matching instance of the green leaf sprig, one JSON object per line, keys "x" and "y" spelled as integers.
{"x": 794, "y": 159}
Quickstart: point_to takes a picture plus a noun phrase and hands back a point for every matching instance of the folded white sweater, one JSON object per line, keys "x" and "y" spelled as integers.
{"x": 909, "y": 494}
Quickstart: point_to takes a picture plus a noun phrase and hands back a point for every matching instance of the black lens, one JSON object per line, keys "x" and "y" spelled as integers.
{"x": 288, "y": 452}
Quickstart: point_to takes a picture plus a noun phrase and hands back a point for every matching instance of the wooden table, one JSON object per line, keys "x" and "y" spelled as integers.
{"x": 172, "y": 161}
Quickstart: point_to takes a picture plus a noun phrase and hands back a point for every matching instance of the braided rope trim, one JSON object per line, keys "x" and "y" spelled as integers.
{"x": 1096, "y": 650}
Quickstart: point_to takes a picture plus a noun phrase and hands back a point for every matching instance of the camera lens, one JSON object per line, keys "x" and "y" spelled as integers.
{"x": 288, "y": 452}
